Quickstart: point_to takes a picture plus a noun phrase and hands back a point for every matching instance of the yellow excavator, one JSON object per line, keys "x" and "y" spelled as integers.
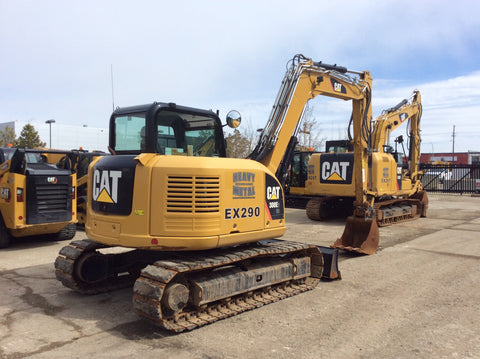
{"x": 200, "y": 228}
{"x": 392, "y": 191}
{"x": 333, "y": 191}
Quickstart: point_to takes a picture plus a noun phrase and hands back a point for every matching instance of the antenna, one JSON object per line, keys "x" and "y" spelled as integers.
{"x": 113, "y": 97}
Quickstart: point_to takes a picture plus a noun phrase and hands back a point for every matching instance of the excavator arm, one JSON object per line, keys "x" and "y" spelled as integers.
{"x": 415, "y": 140}
{"x": 394, "y": 117}
{"x": 407, "y": 110}
{"x": 305, "y": 80}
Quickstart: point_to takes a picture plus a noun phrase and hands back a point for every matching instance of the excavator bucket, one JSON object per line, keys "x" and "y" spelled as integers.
{"x": 360, "y": 235}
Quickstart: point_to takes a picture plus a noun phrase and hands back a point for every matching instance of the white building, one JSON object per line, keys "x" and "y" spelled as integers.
{"x": 65, "y": 137}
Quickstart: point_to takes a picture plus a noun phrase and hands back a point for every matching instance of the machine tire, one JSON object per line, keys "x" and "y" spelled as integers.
{"x": 67, "y": 233}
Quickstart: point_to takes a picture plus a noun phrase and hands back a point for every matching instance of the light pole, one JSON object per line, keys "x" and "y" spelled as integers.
{"x": 50, "y": 124}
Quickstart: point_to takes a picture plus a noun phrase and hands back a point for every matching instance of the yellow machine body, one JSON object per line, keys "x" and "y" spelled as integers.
{"x": 333, "y": 178}
{"x": 192, "y": 203}
{"x": 35, "y": 197}
{"x": 331, "y": 175}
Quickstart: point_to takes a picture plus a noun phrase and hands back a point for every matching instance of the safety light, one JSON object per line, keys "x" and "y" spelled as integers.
{"x": 19, "y": 194}
{"x": 6, "y": 194}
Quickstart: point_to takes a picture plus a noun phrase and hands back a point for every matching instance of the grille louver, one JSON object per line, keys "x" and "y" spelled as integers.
{"x": 197, "y": 194}
{"x": 52, "y": 198}
{"x": 48, "y": 202}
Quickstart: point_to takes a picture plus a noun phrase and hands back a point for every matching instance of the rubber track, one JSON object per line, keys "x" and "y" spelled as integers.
{"x": 65, "y": 264}
{"x": 313, "y": 208}
{"x": 149, "y": 288}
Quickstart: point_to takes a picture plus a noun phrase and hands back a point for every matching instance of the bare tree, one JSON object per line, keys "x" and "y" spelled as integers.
{"x": 309, "y": 135}
{"x": 242, "y": 142}
{"x": 237, "y": 145}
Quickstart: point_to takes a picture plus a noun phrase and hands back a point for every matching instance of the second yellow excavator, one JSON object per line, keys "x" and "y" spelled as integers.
{"x": 333, "y": 190}
{"x": 389, "y": 190}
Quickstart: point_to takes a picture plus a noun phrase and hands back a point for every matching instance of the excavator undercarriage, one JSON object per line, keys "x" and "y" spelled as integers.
{"x": 361, "y": 232}
{"x": 185, "y": 290}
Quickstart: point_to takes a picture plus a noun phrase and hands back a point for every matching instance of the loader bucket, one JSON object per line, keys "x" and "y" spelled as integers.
{"x": 360, "y": 235}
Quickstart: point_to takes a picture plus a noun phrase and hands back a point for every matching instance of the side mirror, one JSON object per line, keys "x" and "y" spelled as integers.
{"x": 234, "y": 119}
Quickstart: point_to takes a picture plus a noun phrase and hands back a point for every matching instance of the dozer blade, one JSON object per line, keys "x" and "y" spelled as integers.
{"x": 423, "y": 198}
{"x": 360, "y": 235}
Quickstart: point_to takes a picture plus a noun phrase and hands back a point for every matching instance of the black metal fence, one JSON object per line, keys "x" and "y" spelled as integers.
{"x": 451, "y": 178}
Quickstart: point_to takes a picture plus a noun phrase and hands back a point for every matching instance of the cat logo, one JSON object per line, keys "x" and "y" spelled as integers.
{"x": 336, "y": 168}
{"x": 273, "y": 193}
{"x": 273, "y": 199}
{"x": 338, "y": 86}
{"x": 105, "y": 185}
{"x": 334, "y": 171}
{"x": 402, "y": 117}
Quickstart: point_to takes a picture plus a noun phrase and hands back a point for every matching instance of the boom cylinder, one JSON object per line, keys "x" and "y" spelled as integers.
{"x": 341, "y": 69}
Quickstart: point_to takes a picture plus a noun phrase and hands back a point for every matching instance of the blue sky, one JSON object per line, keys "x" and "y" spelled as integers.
{"x": 57, "y": 57}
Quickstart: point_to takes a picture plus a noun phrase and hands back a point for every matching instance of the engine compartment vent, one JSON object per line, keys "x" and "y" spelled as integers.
{"x": 193, "y": 194}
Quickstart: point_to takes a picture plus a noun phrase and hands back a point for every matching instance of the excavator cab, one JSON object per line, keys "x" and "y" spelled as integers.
{"x": 167, "y": 129}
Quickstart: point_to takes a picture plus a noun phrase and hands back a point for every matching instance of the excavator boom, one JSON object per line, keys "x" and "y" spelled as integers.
{"x": 303, "y": 81}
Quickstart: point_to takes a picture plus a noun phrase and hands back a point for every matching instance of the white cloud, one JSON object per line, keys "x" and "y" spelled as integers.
{"x": 445, "y": 103}
{"x": 220, "y": 54}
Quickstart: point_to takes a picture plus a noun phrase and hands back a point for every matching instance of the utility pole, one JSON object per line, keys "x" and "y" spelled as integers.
{"x": 453, "y": 145}
{"x": 50, "y": 124}
{"x": 113, "y": 97}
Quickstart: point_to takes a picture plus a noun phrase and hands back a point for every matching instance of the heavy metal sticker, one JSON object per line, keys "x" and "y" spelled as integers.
{"x": 243, "y": 188}
{"x": 5, "y": 193}
{"x": 243, "y": 185}
{"x": 403, "y": 116}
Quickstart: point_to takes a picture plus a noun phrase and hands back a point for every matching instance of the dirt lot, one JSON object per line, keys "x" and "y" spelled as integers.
{"x": 417, "y": 297}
